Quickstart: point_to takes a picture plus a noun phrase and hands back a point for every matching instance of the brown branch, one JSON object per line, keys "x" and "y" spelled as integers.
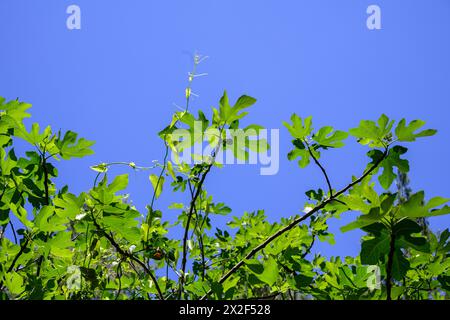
{"x": 130, "y": 256}
{"x": 196, "y": 62}
{"x": 154, "y": 195}
{"x": 297, "y": 221}
{"x": 202, "y": 250}
{"x": 191, "y": 211}
{"x": 321, "y": 168}
{"x": 186, "y": 229}
{"x": 11, "y": 267}
{"x": 342, "y": 202}
{"x": 47, "y": 202}
{"x": 46, "y": 180}
{"x": 199, "y": 235}
{"x": 13, "y": 230}
{"x": 119, "y": 276}
{"x": 22, "y": 249}
{"x": 389, "y": 267}
{"x": 308, "y": 250}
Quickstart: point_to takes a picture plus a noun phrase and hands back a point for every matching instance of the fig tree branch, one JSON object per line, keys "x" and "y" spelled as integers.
{"x": 297, "y": 221}
{"x": 47, "y": 202}
{"x": 188, "y": 222}
{"x": 389, "y": 266}
{"x": 192, "y": 207}
{"x": 128, "y": 255}
{"x": 330, "y": 189}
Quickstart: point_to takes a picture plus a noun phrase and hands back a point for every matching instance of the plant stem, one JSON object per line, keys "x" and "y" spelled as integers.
{"x": 13, "y": 230}
{"x": 186, "y": 229}
{"x": 202, "y": 250}
{"x": 192, "y": 207}
{"x": 22, "y": 249}
{"x": 308, "y": 250}
{"x": 47, "y": 202}
{"x": 297, "y": 221}
{"x": 166, "y": 152}
{"x": 389, "y": 266}
{"x": 128, "y": 255}
{"x": 321, "y": 168}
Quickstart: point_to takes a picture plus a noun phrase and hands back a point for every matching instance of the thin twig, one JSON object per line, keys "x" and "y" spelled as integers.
{"x": 47, "y": 202}
{"x": 14, "y": 231}
{"x": 202, "y": 251}
{"x": 130, "y": 256}
{"x": 321, "y": 168}
{"x": 297, "y": 221}
{"x": 119, "y": 276}
{"x": 22, "y": 249}
{"x": 166, "y": 152}
{"x": 389, "y": 267}
{"x": 308, "y": 250}
{"x": 186, "y": 229}
{"x": 192, "y": 208}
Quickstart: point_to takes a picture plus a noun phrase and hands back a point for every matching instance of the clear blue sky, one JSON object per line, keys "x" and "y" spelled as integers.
{"x": 115, "y": 80}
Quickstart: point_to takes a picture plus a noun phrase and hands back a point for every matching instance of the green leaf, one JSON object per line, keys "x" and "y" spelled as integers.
{"x": 217, "y": 289}
{"x": 299, "y": 129}
{"x": 119, "y": 183}
{"x": 373, "y": 134}
{"x": 242, "y": 103}
{"x": 267, "y": 272}
{"x": 228, "y": 114}
{"x": 436, "y": 202}
{"x": 124, "y": 225}
{"x": 387, "y": 202}
{"x": 220, "y": 208}
{"x": 15, "y": 112}
{"x": 102, "y": 167}
{"x": 230, "y": 283}
{"x": 304, "y": 155}
{"x": 375, "y": 249}
{"x": 176, "y": 206}
{"x": 15, "y": 283}
{"x": 392, "y": 160}
{"x": 33, "y": 137}
{"x": 186, "y": 138}
{"x": 407, "y": 132}
{"x": 7, "y": 162}
{"x": 59, "y": 245}
{"x": 404, "y": 231}
{"x": 157, "y": 183}
{"x": 46, "y": 221}
{"x": 364, "y": 220}
{"x": 68, "y": 205}
{"x": 241, "y": 144}
{"x": 302, "y": 281}
{"x": 71, "y": 148}
{"x": 21, "y": 213}
{"x": 415, "y": 207}
{"x": 356, "y": 202}
{"x": 170, "y": 170}
{"x": 400, "y": 265}
{"x": 327, "y": 138}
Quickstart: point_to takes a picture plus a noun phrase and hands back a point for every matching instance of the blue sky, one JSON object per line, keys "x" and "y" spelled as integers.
{"x": 115, "y": 82}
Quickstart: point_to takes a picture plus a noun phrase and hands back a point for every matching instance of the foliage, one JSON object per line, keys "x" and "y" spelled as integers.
{"x": 96, "y": 245}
